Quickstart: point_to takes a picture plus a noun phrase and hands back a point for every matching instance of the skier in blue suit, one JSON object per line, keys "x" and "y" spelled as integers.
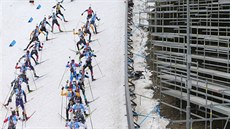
{"x": 73, "y": 67}
{"x": 75, "y": 124}
{"x": 12, "y": 121}
{"x": 92, "y": 21}
{"x": 19, "y": 102}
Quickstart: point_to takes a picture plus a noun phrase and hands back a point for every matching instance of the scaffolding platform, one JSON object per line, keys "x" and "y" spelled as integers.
{"x": 200, "y": 34}
{"x": 198, "y": 101}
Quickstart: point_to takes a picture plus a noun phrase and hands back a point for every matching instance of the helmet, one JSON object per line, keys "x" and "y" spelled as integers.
{"x": 75, "y": 118}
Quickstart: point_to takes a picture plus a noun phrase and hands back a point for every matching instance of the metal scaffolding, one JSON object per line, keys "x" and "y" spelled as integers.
{"x": 190, "y": 56}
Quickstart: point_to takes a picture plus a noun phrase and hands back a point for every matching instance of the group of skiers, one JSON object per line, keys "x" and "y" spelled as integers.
{"x": 77, "y": 110}
{"x": 74, "y": 90}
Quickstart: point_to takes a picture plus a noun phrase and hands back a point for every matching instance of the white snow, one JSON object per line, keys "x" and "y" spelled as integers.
{"x": 145, "y": 104}
{"x": 110, "y": 107}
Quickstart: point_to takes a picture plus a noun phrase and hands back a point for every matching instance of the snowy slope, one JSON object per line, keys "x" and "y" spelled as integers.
{"x": 110, "y": 107}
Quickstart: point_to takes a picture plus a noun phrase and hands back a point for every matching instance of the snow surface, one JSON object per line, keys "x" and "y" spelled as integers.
{"x": 146, "y": 106}
{"x": 110, "y": 107}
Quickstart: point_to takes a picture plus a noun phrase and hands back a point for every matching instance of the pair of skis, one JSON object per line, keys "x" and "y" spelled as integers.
{"x": 85, "y": 116}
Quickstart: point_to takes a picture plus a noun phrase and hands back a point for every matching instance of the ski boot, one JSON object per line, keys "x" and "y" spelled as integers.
{"x": 86, "y": 103}
{"x": 24, "y": 116}
{"x": 28, "y": 87}
{"x": 9, "y": 100}
{"x": 86, "y": 115}
{"x": 35, "y": 75}
{"x": 93, "y": 79}
{"x": 17, "y": 112}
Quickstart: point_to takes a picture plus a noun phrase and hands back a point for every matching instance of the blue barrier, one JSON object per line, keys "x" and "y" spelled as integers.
{"x": 30, "y": 20}
{"x": 12, "y": 43}
{"x": 39, "y": 6}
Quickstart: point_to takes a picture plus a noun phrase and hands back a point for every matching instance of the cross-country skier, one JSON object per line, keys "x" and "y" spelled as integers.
{"x": 75, "y": 124}
{"x": 88, "y": 63}
{"x": 74, "y": 97}
{"x": 27, "y": 57}
{"x": 79, "y": 106}
{"x": 82, "y": 87}
{"x": 58, "y": 7}
{"x": 70, "y": 104}
{"x": 19, "y": 102}
{"x": 86, "y": 29}
{"x": 69, "y": 92}
{"x": 42, "y": 26}
{"x": 15, "y": 84}
{"x": 22, "y": 77}
{"x": 73, "y": 67}
{"x": 34, "y": 36}
{"x": 86, "y": 50}
{"x": 90, "y": 13}
{"x": 12, "y": 120}
{"x": 18, "y": 83}
{"x": 93, "y": 20}
{"x": 35, "y": 48}
{"x": 80, "y": 117}
{"x": 55, "y": 21}
{"x": 81, "y": 41}
{"x": 28, "y": 64}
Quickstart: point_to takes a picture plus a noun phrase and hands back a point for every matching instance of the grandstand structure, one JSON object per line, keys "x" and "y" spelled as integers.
{"x": 190, "y": 55}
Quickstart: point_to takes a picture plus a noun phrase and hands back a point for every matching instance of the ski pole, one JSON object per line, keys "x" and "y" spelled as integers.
{"x": 10, "y": 88}
{"x": 74, "y": 38}
{"x": 98, "y": 42}
{"x": 8, "y": 95}
{"x": 33, "y": 80}
{"x": 78, "y": 22}
{"x": 22, "y": 124}
{"x": 66, "y": 102}
{"x": 62, "y": 77}
{"x": 61, "y": 106}
{"x": 90, "y": 89}
{"x": 3, "y": 124}
{"x": 90, "y": 118}
{"x": 41, "y": 56}
{"x": 98, "y": 67}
